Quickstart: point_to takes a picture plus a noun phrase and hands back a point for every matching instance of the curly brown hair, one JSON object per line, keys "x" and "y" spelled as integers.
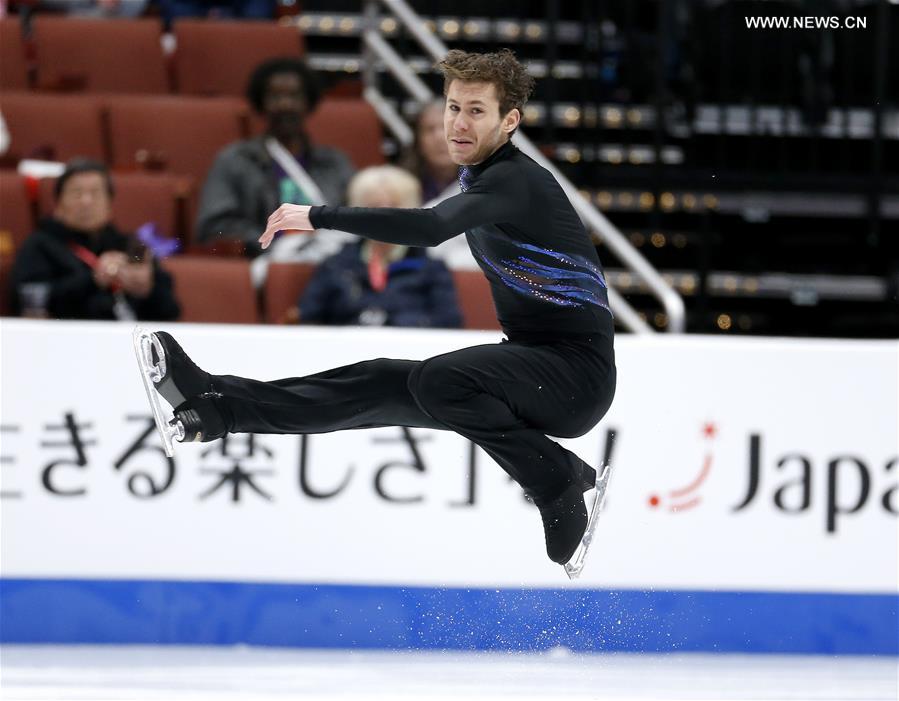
{"x": 511, "y": 79}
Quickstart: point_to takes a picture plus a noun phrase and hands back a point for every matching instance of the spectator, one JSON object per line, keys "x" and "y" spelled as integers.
{"x": 372, "y": 283}
{"x": 96, "y": 8}
{"x": 250, "y": 179}
{"x": 429, "y": 157}
{"x": 236, "y": 9}
{"x": 78, "y": 266}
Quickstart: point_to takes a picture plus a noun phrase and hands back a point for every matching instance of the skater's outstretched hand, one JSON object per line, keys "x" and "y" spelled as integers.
{"x": 287, "y": 218}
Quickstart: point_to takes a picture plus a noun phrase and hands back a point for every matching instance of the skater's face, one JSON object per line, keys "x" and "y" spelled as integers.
{"x": 285, "y": 103}
{"x": 472, "y": 121}
{"x": 85, "y": 203}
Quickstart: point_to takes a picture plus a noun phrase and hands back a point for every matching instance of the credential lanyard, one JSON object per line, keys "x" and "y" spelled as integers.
{"x": 294, "y": 170}
{"x": 120, "y": 307}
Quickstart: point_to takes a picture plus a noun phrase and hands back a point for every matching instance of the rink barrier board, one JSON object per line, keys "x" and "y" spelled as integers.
{"x": 424, "y": 618}
{"x": 727, "y": 511}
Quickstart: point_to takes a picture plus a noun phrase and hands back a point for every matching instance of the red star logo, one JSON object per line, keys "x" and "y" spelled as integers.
{"x": 709, "y": 430}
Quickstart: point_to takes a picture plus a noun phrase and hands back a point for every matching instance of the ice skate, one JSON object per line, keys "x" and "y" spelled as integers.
{"x": 564, "y": 522}
{"x": 575, "y": 564}
{"x": 168, "y": 372}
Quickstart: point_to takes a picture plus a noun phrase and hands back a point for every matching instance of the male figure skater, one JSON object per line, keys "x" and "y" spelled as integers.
{"x": 555, "y": 372}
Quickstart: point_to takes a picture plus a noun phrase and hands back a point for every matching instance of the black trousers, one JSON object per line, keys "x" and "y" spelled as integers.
{"x": 504, "y": 397}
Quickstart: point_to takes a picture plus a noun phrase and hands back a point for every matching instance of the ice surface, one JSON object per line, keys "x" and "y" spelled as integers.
{"x": 193, "y": 673}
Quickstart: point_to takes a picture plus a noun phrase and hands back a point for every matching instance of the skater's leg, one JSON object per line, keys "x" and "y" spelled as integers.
{"x": 363, "y": 395}
{"x": 507, "y": 397}
{"x": 504, "y": 398}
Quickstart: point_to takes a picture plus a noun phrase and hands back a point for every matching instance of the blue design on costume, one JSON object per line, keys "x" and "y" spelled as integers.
{"x": 464, "y": 178}
{"x": 574, "y": 284}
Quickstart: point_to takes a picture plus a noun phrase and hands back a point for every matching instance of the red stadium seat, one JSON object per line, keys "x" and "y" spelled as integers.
{"x": 213, "y": 290}
{"x": 16, "y": 219}
{"x": 284, "y": 283}
{"x": 217, "y": 58}
{"x": 13, "y": 66}
{"x": 177, "y": 134}
{"x": 473, "y": 292}
{"x": 350, "y": 125}
{"x": 141, "y": 198}
{"x": 100, "y": 55}
{"x": 53, "y": 126}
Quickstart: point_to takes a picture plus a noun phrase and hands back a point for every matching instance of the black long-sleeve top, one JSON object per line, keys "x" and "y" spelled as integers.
{"x": 544, "y": 272}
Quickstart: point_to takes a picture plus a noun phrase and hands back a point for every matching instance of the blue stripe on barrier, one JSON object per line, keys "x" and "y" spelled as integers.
{"x": 328, "y": 616}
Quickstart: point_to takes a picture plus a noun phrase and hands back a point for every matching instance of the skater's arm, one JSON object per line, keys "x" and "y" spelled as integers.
{"x": 416, "y": 227}
{"x": 498, "y": 200}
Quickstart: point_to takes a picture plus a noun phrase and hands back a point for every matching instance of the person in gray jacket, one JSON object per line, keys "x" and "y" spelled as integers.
{"x": 251, "y": 178}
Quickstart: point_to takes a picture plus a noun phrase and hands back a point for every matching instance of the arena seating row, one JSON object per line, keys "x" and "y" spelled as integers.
{"x": 210, "y": 288}
{"x": 98, "y": 89}
{"x": 102, "y": 88}
{"x": 219, "y": 290}
{"x": 162, "y": 199}
{"x": 178, "y": 134}
{"x": 127, "y": 56}
{"x": 173, "y": 134}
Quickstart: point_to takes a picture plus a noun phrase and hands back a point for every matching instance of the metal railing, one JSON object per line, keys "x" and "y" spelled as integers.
{"x": 376, "y": 47}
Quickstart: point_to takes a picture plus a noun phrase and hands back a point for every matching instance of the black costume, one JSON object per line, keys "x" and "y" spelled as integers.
{"x": 554, "y": 375}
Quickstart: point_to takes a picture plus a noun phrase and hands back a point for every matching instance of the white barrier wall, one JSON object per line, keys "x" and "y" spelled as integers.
{"x": 745, "y": 465}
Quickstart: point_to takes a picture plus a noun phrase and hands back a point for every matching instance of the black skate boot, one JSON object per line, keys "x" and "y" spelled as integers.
{"x": 167, "y": 371}
{"x": 180, "y": 378}
{"x": 564, "y": 523}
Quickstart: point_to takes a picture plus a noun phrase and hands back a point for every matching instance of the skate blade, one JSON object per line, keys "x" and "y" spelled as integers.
{"x": 574, "y": 566}
{"x": 151, "y": 373}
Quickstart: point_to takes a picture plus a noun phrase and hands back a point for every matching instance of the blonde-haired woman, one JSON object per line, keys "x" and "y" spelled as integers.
{"x": 371, "y": 283}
